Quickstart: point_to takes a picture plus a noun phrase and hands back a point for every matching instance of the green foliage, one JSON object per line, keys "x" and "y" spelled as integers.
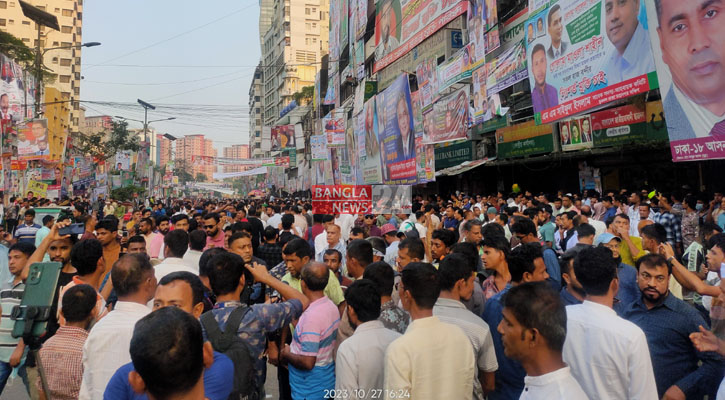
{"x": 304, "y": 96}
{"x": 126, "y": 193}
{"x": 16, "y": 49}
{"x": 200, "y": 177}
{"x": 182, "y": 171}
{"x": 106, "y": 145}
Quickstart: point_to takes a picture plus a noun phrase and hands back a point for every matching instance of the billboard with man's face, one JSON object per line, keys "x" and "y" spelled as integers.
{"x": 32, "y": 140}
{"x": 688, "y": 42}
{"x": 584, "y": 54}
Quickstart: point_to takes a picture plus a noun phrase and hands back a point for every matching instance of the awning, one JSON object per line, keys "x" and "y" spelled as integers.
{"x": 463, "y": 167}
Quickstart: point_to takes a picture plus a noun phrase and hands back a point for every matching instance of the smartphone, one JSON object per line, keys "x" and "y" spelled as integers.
{"x": 73, "y": 229}
{"x": 39, "y": 292}
{"x": 124, "y": 234}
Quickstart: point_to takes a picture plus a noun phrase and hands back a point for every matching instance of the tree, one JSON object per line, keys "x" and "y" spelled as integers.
{"x": 200, "y": 177}
{"x": 126, "y": 193}
{"x": 182, "y": 171}
{"x": 304, "y": 96}
{"x": 16, "y": 49}
{"x": 104, "y": 146}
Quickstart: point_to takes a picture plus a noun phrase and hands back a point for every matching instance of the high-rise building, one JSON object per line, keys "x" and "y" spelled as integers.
{"x": 64, "y": 64}
{"x": 237, "y": 151}
{"x": 163, "y": 150}
{"x": 196, "y": 146}
{"x": 293, "y": 45}
{"x": 255, "y": 113}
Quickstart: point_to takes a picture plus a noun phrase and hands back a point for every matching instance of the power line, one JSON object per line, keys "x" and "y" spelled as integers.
{"x": 161, "y": 83}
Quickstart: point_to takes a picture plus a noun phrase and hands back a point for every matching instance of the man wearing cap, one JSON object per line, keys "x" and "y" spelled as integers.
{"x": 627, "y": 274}
{"x": 390, "y": 235}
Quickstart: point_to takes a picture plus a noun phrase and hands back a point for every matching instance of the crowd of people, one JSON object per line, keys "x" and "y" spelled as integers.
{"x": 573, "y": 296}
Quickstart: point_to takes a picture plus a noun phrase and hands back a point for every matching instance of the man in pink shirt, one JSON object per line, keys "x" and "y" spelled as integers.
{"x": 153, "y": 246}
{"x": 214, "y": 233}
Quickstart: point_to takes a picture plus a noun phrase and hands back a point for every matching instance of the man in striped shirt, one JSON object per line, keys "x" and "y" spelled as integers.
{"x": 310, "y": 357}
{"x": 12, "y": 350}
{"x": 26, "y": 232}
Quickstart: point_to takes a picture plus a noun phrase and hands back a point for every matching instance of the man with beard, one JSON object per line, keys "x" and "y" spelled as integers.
{"x": 572, "y": 291}
{"x": 145, "y": 228}
{"x": 162, "y": 228}
{"x": 680, "y": 370}
{"x": 628, "y": 290}
{"x": 213, "y": 228}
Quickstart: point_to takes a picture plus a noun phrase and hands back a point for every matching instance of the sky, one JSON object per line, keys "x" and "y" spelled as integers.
{"x": 194, "y": 60}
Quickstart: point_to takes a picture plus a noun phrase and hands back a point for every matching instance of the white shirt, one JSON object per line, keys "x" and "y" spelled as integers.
{"x": 608, "y": 355}
{"x": 345, "y": 222}
{"x": 320, "y": 241}
{"x": 107, "y": 347}
{"x": 706, "y": 119}
{"x": 173, "y": 264}
{"x": 635, "y": 61}
{"x": 554, "y": 385}
{"x": 191, "y": 258}
{"x": 360, "y": 359}
{"x": 599, "y": 227}
{"x": 391, "y": 253}
{"x": 274, "y": 221}
{"x": 429, "y": 363}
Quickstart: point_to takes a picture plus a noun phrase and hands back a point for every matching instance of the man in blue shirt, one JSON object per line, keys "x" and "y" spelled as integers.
{"x": 26, "y": 232}
{"x": 526, "y": 264}
{"x": 668, "y": 322}
{"x": 183, "y": 290}
{"x": 525, "y": 231}
{"x": 628, "y": 289}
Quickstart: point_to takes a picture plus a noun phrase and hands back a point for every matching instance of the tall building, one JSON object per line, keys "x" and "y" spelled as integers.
{"x": 255, "y": 113}
{"x": 163, "y": 150}
{"x": 58, "y": 115}
{"x": 293, "y": 45}
{"x": 237, "y": 151}
{"x": 64, "y": 64}
{"x": 266, "y": 10}
{"x": 197, "y": 146}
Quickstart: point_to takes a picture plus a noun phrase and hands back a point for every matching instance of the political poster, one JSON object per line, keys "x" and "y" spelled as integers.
{"x": 17, "y": 90}
{"x": 371, "y": 163}
{"x": 123, "y": 160}
{"x": 427, "y": 75}
{"x": 490, "y": 15}
{"x": 480, "y": 94}
{"x": 283, "y": 137}
{"x": 32, "y": 140}
{"x": 344, "y": 18}
{"x": 361, "y": 18}
{"x": 334, "y": 125}
{"x": 477, "y": 32}
{"x": 493, "y": 40}
{"x": 629, "y": 124}
{"x": 688, "y": 43}
{"x": 359, "y": 129}
{"x": 115, "y": 181}
{"x": 334, "y": 41}
{"x": 318, "y": 143}
{"x": 506, "y": 69}
{"x": 424, "y": 157}
{"x": 396, "y": 134}
{"x": 333, "y": 85}
{"x": 524, "y": 140}
{"x": 591, "y": 54}
{"x": 576, "y": 133}
{"x": 400, "y": 25}
{"x": 457, "y": 67}
{"x": 448, "y": 119}
{"x": 39, "y": 189}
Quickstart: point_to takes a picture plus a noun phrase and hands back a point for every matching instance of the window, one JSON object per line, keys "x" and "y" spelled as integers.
{"x": 307, "y": 41}
{"x": 65, "y": 62}
{"x": 64, "y": 79}
{"x": 67, "y": 13}
{"x": 314, "y": 25}
{"x": 12, "y": 22}
{"x": 26, "y": 22}
{"x": 57, "y": 10}
{"x": 314, "y": 40}
{"x": 314, "y": 10}
{"x": 3, "y": 22}
{"x": 307, "y": 11}
{"x": 66, "y": 29}
{"x": 307, "y": 26}
{"x": 3, "y": 4}
{"x": 55, "y": 60}
{"x": 66, "y": 44}
{"x": 56, "y": 44}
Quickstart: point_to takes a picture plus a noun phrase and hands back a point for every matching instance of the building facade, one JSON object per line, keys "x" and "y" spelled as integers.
{"x": 64, "y": 64}
{"x": 196, "y": 146}
{"x": 255, "y": 113}
{"x": 163, "y": 150}
{"x": 237, "y": 151}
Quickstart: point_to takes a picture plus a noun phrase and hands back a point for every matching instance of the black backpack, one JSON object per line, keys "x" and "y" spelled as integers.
{"x": 229, "y": 343}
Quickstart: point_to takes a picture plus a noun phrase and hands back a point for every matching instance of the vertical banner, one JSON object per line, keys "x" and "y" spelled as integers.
{"x": 371, "y": 163}
{"x": 591, "y": 53}
{"x": 334, "y": 125}
{"x": 448, "y": 120}
{"x": 427, "y": 75}
{"x": 688, "y": 42}
{"x": 424, "y": 155}
{"x": 318, "y": 143}
{"x": 397, "y": 137}
{"x": 17, "y": 88}
{"x": 32, "y": 140}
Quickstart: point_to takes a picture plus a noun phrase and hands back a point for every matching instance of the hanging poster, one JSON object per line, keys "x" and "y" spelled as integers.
{"x": 424, "y": 160}
{"x": 334, "y": 125}
{"x": 371, "y": 162}
{"x": 457, "y": 67}
{"x": 397, "y": 138}
{"x": 477, "y": 32}
{"x": 401, "y": 25}
{"x": 334, "y": 42}
{"x": 576, "y": 133}
{"x": 479, "y": 94}
{"x": 506, "y": 69}
{"x": 39, "y": 189}
{"x": 687, "y": 42}
{"x": 448, "y": 119}
{"x": 491, "y": 14}
{"x": 283, "y": 137}
{"x": 493, "y": 40}
{"x": 427, "y": 76}
{"x": 318, "y": 143}
{"x": 586, "y": 59}
{"x": 333, "y": 84}
{"x": 17, "y": 89}
{"x": 32, "y": 140}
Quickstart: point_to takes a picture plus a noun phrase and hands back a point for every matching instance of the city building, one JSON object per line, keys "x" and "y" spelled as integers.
{"x": 58, "y": 115}
{"x": 293, "y": 46}
{"x": 163, "y": 150}
{"x": 64, "y": 64}
{"x": 196, "y": 146}
{"x": 237, "y": 151}
{"x": 255, "y": 113}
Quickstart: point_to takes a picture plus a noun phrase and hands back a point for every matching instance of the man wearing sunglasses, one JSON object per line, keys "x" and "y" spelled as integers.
{"x": 214, "y": 234}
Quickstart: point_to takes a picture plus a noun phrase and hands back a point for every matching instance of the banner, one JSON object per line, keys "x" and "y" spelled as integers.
{"x": 457, "y": 67}
{"x": 115, "y": 181}
{"x": 400, "y": 25}
{"x": 39, "y": 189}
{"x": 480, "y": 95}
{"x": 493, "y": 41}
{"x": 251, "y": 172}
{"x": 452, "y": 154}
{"x": 424, "y": 157}
{"x": 691, "y": 79}
{"x": 17, "y": 89}
{"x": 282, "y": 162}
{"x": 318, "y": 143}
{"x": 123, "y": 161}
{"x": 371, "y": 162}
{"x": 283, "y": 137}
{"x": 506, "y": 69}
{"x": 524, "y": 140}
{"x": 448, "y": 119}
{"x": 334, "y": 125}
{"x": 576, "y": 133}
{"x": 427, "y": 76}
{"x": 585, "y": 59}
{"x": 333, "y": 84}
{"x": 396, "y": 134}
{"x": 334, "y": 42}
{"x": 477, "y": 32}
{"x": 33, "y": 140}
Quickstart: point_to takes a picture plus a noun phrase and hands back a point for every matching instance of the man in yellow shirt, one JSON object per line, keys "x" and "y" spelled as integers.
{"x": 630, "y": 248}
